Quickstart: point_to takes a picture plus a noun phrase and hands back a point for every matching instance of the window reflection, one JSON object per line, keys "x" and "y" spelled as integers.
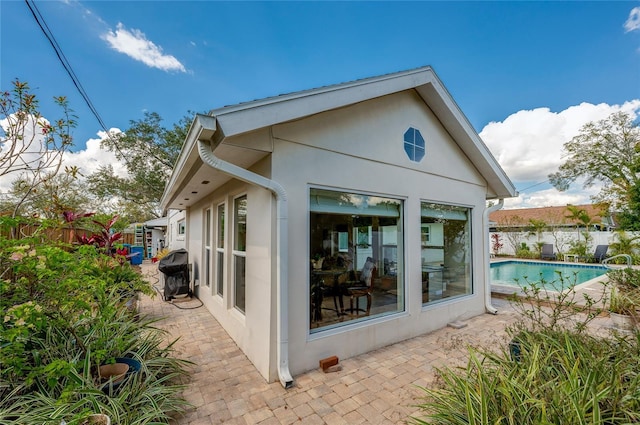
{"x": 446, "y": 251}
{"x": 239, "y": 248}
{"x": 356, "y": 257}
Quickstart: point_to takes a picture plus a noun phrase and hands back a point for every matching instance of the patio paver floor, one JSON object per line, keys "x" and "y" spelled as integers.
{"x": 379, "y": 387}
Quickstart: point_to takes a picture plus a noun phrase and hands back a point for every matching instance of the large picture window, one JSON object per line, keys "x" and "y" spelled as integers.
{"x": 239, "y": 251}
{"x": 356, "y": 264}
{"x": 446, "y": 251}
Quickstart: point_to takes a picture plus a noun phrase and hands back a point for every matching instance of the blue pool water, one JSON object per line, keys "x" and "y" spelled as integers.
{"x": 519, "y": 273}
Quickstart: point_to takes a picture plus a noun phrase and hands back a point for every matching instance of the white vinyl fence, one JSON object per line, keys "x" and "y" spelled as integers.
{"x": 559, "y": 239}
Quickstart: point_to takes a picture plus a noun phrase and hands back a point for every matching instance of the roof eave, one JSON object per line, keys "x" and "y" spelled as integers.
{"x": 203, "y": 127}
{"x": 250, "y": 116}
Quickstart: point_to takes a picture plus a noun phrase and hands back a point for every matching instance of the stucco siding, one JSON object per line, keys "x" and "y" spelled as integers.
{"x": 252, "y": 330}
{"x": 298, "y": 166}
{"x": 374, "y": 130}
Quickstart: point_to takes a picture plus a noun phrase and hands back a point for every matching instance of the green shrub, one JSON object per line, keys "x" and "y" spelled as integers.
{"x": 524, "y": 251}
{"x": 552, "y": 372}
{"x": 559, "y": 377}
{"x": 63, "y": 314}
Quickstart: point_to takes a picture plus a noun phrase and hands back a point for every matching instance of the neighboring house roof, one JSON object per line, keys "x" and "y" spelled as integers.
{"x": 552, "y": 216}
{"x": 157, "y": 222}
{"x": 185, "y": 184}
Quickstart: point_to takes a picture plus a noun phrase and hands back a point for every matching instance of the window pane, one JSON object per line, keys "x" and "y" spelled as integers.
{"x": 220, "y": 269}
{"x": 240, "y": 224}
{"x": 220, "y": 239}
{"x": 239, "y": 244}
{"x": 356, "y": 244}
{"x": 446, "y": 251}
{"x": 207, "y": 266}
{"x": 207, "y": 228}
{"x": 239, "y": 283}
{"x": 207, "y": 247}
{"x": 220, "y": 251}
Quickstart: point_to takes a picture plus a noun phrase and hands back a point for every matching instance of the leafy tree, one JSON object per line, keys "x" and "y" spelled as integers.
{"x": 121, "y": 194}
{"x": 510, "y": 228}
{"x": 31, "y": 147}
{"x": 149, "y": 152}
{"x": 607, "y": 151}
{"x": 536, "y": 228}
{"x": 629, "y": 218}
{"x": 58, "y": 193}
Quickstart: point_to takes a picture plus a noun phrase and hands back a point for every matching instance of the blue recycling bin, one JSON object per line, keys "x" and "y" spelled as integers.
{"x": 138, "y": 254}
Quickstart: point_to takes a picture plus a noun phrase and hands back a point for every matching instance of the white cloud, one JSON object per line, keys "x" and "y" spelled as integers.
{"x": 87, "y": 161}
{"x": 633, "y": 21}
{"x": 93, "y": 157}
{"x": 551, "y": 197}
{"x": 528, "y": 145}
{"x": 19, "y": 156}
{"x": 134, "y": 44}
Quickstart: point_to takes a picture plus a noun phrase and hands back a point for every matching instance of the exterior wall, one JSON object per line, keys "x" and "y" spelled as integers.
{"x": 356, "y": 149}
{"x": 253, "y": 331}
{"x": 360, "y": 149}
{"x": 173, "y": 240}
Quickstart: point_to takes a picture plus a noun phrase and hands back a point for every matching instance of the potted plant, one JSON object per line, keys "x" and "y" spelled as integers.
{"x": 97, "y": 419}
{"x": 317, "y": 261}
{"x": 623, "y": 309}
{"x": 624, "y": 303}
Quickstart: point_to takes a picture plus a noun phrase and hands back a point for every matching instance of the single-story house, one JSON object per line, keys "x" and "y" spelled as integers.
{"x": 337, "y": 220}
{"x": 557, "y": 217}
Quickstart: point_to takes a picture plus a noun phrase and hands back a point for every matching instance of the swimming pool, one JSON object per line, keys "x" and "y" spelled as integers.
{"x": 518, "y": 273}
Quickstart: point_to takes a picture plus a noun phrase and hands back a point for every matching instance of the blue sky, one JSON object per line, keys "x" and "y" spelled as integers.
{"x": 518, "y": 70}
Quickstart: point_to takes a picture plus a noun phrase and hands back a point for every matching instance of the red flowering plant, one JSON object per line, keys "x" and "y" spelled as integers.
{"x": 105, "y": 238}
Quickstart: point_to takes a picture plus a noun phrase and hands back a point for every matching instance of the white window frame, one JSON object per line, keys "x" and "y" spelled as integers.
{"x": 181, "y": 231}
{"x": 220, "y": 253}
{"x": 208, "y": 255}
{"x": 399, "y": 239}
{"x": 235, "y": 253}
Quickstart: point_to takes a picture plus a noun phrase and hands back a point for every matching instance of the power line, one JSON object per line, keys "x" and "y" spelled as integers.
{"x": 76, "y": 81}
{"x": 533, "y": 185}
{"x": 63, "y": 60}
{"x": 67, "y": 67}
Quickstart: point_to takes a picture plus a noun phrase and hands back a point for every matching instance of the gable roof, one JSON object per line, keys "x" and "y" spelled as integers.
{"x": 182, "y": 189}
{"x": 553, "y": 216}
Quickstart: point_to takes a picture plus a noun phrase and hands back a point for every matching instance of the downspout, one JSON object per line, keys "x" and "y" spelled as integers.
{"x": 487, "y": 260}
{"x": 282, "y": 248}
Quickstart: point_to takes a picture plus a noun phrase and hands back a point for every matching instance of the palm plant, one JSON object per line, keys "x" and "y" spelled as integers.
{"x": 580, "y": 216}
{"x": 625, "y": 244}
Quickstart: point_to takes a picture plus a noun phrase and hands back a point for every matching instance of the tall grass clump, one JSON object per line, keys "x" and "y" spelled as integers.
{"x": 553, "y": 371}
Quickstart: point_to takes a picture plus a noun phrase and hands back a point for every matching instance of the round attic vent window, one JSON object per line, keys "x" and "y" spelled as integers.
{"x": 414, "y": 144}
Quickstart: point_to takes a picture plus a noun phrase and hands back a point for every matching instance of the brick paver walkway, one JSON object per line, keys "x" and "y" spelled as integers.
{"x": 378, "y": 387}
